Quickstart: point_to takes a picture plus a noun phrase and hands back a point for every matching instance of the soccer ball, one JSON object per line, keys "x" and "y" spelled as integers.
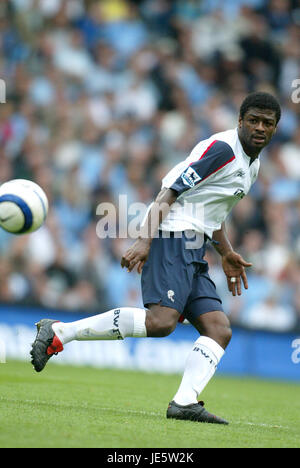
{"x": 23, "y": 206}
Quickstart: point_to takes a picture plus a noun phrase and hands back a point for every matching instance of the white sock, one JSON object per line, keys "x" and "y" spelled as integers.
{"x": 115, "y": 324}
{"x": 200, "y": 367}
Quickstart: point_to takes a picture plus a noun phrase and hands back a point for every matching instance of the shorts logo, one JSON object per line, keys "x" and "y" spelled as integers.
{"x": 190, "y": 177}
{"x": 171, "y": 295}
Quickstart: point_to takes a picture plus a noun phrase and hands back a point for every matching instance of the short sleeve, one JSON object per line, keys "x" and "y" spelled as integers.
{"x": 193, "y": 171}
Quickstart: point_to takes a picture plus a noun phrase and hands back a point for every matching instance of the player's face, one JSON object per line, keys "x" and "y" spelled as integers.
{"x": 256, "y": 129}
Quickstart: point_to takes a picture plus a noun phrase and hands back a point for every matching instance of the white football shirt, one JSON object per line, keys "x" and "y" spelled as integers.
{"x": 209, "y": 182}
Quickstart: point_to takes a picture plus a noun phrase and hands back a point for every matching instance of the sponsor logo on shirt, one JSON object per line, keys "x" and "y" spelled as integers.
{"x": 190, "y": 177}
{"x": 239, "y": 194}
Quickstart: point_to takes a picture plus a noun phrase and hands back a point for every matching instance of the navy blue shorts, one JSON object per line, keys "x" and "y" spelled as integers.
{"x": 177, "y": 277}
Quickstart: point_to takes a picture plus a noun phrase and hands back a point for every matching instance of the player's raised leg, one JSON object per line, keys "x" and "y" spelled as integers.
{"x": 116, "y": 324}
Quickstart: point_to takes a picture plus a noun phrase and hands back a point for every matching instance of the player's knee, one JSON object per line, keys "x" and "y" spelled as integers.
{"x": 222, "y": 334}
{"x": 225, "y": 335}
{"x": 218, "y": 329}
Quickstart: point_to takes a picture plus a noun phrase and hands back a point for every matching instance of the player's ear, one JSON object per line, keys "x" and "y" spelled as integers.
{"x": 240, "y": 121}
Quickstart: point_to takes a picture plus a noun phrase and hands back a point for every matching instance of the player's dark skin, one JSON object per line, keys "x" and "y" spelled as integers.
{"x": 255, "y": 131}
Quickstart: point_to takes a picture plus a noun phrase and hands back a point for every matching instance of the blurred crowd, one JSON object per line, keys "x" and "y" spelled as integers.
{"x": 103, "y": 98}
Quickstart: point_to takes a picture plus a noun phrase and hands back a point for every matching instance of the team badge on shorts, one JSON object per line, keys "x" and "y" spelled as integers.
{"x": 171, "y": 295}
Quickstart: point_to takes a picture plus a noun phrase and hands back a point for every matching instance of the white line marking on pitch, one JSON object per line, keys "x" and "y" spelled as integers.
{"x": 124, "y": 411}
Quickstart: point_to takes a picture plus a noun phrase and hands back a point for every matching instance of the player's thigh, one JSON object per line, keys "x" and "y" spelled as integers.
{"x": 161, "y": 320}
{"x": 167, "y": 278}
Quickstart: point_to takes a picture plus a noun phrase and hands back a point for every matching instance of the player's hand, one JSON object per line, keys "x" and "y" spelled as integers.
{"x": 234, "y": 268}
{"x": 136, "y": 255}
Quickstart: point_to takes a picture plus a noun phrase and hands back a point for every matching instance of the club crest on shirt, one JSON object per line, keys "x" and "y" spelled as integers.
{"x": 190, "y": 177}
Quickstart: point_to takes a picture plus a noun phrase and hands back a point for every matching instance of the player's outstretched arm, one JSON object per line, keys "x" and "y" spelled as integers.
{"x": 138, "y": 253}
{"x": 233, "y": 263}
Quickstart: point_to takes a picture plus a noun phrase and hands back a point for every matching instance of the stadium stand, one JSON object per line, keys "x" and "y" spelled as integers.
{"x": 103, "y": 97}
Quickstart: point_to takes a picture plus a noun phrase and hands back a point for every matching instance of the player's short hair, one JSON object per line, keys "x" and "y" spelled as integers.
{"x": 261, "y": 100}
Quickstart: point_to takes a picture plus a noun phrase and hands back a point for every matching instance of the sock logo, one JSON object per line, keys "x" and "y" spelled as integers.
{"x": 116, "y": 330}
{"x": 205, "y": 355}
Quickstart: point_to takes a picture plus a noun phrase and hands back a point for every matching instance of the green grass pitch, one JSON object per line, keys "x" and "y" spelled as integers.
{"x": 68, "y": 406}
